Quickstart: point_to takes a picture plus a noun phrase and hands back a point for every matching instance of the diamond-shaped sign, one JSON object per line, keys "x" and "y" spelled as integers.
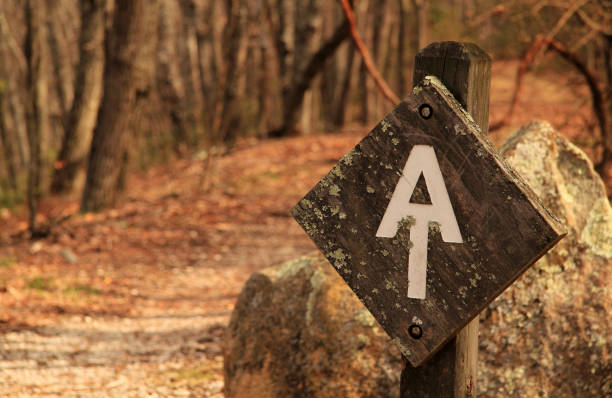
{"x": 426, "y": 222}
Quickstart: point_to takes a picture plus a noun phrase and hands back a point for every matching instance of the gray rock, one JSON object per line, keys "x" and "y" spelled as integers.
{"x": 298, "y": 331}
{"x": 549, "y": 334}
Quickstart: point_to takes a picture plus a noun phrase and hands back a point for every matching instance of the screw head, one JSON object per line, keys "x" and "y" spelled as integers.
{"x": 415, "y": 331}
{"x": 426, "y": 111}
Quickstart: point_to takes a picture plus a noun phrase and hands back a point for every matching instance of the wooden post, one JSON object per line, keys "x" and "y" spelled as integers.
{"x": 465, "y": 70}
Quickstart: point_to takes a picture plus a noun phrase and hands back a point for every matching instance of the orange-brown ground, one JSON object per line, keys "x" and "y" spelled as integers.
{"x": 133, "y": 301}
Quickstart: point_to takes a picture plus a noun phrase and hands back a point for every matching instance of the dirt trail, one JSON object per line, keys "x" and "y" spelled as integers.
{"x": 133, "y": 302}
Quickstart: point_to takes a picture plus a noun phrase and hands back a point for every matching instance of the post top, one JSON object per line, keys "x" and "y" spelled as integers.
{"x": 458, "y": 50}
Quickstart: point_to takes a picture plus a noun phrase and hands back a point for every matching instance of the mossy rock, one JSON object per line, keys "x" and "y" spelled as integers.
{"x": 550, "y": 333}
{"x": 298, "y": 331}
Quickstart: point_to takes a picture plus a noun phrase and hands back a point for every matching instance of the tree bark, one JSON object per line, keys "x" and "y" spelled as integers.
{"x": 384, "y": 89}
{"x": 14, "y": 67}
{"x": 8, "y": 147}
{"x": 207, "y": 64}
{"x": 60, "y": 60}
{"x": 12, "y": 132}
{"x": 295, "y": 97}
{"x": 331, "y": 77}
{"x": 229, "y": 117}
{"x": 111, "y": 134}
{"x": 263, "y": 101}
{"x": 171, "y": 77}
{"x": 36, "y": 109}
{"x": 401, "y": 49}
{"x": 345, "y": 85}
{"x": 188, "y": 53}
{"x": 421, "y": 8}
{"x": 87, "y": 95}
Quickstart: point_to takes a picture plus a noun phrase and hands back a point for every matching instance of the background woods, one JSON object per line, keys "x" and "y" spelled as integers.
{"x": 90, "y": 89}
{"x": 150, "y": 151}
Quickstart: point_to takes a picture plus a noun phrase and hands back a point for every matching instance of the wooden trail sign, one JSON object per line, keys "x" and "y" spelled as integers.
{"x": 426, "y": 222}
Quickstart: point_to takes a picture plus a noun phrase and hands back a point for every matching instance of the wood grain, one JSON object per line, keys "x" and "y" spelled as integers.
{"x": 504, "y": 227}
{"x": 465, "y": 69}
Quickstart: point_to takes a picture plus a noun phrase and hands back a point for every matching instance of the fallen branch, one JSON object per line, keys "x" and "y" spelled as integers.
{"x": 382, "y": 86}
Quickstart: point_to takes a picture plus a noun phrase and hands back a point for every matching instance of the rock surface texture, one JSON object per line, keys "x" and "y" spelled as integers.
{"x": 550, "y": 333}
{"x": 299, "y": 331}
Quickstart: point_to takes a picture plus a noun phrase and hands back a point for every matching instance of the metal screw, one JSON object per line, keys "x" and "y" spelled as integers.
{"x": 416, "y": 332}
{"x": 425, "y": 111}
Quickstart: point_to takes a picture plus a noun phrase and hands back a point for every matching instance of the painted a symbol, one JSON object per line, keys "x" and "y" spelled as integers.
{"x": 422, "y": 159}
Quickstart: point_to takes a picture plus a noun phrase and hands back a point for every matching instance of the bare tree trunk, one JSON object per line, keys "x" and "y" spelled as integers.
{"x": 8, "y": 147}
{"x": 263, "y": 101}
{"x": 230, "y": 117}
{"x": 345, "y": 85}
{"x": 111, "y": 134}
{"x": 363, "y": 94}
{"x": 188, "y": 52}
{"x": 170, "y": 75}
{"x": 421, "y": 8}
{"x": 12, "y": 132}
{"x": 60, "y": 60}
{"x": 252, "y": 106}
{"x": 88, "y": 91}
{"x": 401, "y": 49}
{"x": 14, "y": 68}
{"x": 381, "y": 84}
{"x": 329, "y": 82}
{"x": 285, "y": 40}
{"x": 36, "y": 110}
{"x": 377, "y": 26}
{"x": 295, "y": 97}
{"x": 207, "y": 63}
{"x": 363, "y": 13}
{"x": 305, "y": 13}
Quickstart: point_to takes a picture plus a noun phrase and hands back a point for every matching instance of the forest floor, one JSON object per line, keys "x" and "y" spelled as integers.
{"x": 134, "y": 301}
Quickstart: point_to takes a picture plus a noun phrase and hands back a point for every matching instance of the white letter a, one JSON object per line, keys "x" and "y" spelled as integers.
{"x": 422, "y": 159}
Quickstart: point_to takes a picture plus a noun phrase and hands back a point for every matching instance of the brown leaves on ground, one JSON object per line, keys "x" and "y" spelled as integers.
{"x": 168, "y": 255}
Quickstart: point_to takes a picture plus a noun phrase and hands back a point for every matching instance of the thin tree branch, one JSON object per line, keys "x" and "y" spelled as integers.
{"x": 498, "y": 10}
{"x": 597, "y": 96}
{"x": 604, "y": 28}
{"x": 524, "y": 65}
{"x": 365, "y": 54}
{"x": 574, "y": 7}
{"x": 599, "y": 106}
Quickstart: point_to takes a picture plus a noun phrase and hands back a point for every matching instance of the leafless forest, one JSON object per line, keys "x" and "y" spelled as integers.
{"x": 91, "y": 89}
{"x": 150, "y": 151}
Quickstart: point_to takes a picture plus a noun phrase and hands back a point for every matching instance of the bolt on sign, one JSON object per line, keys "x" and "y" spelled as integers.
{"x": 426, "y": 222}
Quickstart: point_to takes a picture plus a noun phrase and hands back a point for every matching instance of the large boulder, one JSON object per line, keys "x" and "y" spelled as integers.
{"x": 550, "y": 334}
{"x": 298, "y": 330}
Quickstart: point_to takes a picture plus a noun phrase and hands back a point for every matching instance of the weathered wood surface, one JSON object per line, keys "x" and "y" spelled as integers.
{"x": 504, "y": 227}
{"x": 465, "y": 70}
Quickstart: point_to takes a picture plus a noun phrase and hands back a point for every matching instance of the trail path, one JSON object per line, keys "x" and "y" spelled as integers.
{"x": 133, "y": 302}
